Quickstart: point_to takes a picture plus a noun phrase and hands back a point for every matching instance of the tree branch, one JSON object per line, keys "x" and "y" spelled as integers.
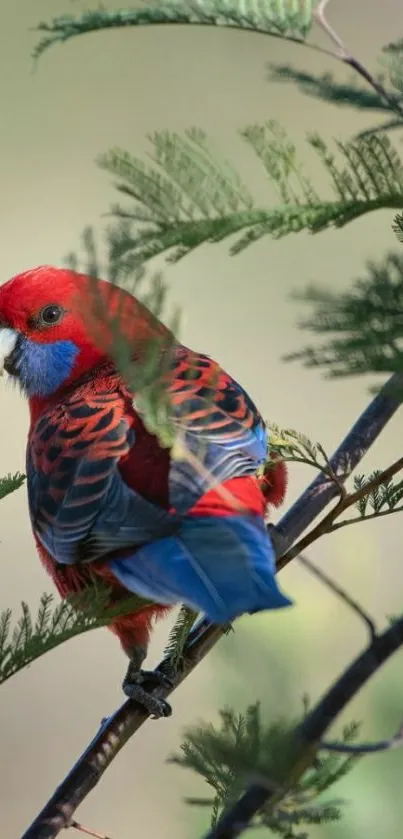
{"x": 88, "y": 832}
{"x": 346, "y": 500}
{"x": 323, "y": 489}
{"x": 357, "y": 519}
{"x": 341, "y": 593}
{"x": 343, "y": 54}
{"x": 366, "y": 748}
{"x": 120, "y": 727}
{"x": 308, "y": 735}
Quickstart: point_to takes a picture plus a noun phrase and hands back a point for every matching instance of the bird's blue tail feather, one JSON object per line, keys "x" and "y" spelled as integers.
{"x": 222, "y": 566}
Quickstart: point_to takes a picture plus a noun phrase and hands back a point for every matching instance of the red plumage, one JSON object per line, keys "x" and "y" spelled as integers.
{"x": 145, "y": 467}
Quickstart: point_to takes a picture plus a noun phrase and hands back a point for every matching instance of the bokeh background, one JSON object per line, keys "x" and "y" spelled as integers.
{"x": 111, "y": 89}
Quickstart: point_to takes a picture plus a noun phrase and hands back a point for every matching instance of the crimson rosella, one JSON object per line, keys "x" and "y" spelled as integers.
{"x": 106, "y": 499}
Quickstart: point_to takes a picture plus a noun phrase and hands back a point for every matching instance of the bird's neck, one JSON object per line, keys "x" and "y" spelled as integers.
{"x": 105, "y": 371}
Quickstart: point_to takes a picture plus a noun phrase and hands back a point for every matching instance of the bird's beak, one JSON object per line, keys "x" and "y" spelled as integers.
{"x": 8, "y": 343}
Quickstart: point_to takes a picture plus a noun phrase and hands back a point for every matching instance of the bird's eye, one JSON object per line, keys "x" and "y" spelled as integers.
{"x": 50, "y": 315}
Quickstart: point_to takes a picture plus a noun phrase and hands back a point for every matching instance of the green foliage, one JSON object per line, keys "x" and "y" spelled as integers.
{"x": 383, "y": 498}
{"x": 188, "y": 196}
{"x": 33, "y": 636}
{"x": 366, "y": 322}
{"x": 145, "y": 366}
{"x": 398, "y": 226}
{"x": 244, "y": 749}
{"x": 146, "y": 375}
{"x": 290, "y": 19}
{"x": 147, "y": 372}
{"x": 293, "y": 446}
{"x": 392, "y": 61}
{"x": 326, "y": 88}
{"x": 89, "y": 261}
{"x": 10, "y": 483}
{"x": 178, "y": 636}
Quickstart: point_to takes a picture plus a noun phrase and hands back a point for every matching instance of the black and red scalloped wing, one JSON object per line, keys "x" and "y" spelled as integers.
{"x": 219, "y": 423}
{"x": 80, "y": 506}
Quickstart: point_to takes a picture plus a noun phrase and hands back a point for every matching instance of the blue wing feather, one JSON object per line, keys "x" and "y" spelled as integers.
{"x": 220, "y": 566}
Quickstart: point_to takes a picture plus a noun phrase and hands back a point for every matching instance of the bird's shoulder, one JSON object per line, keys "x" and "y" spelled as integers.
{"x": 96, "y": 419}
{"x": 210, "y": 398}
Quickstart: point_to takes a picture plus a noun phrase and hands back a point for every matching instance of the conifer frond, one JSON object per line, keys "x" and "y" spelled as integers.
{"x": 178, "y": 636}
{"x": 35, "y": 635}
{"x": 397, "y": 226}
{"x": 365, "y": 323}
{"x": 243, "y": 749}
{"x": 188, "y": 196}
{"x": 290, "y": 19}
{"x": 89, "y": 260}
{"x": 9, "y": 483}
{"x": 386, "y": 497}
{"x": 326, "y": 88}
{"x": 293, "y": 446}
{"x": 391, "y": 61}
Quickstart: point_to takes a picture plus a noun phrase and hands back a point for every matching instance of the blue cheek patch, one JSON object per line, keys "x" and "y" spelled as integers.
{"x": 43, "y": 368}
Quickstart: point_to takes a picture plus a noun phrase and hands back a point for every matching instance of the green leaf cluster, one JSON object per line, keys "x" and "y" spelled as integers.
{"x": 244, "y": 749}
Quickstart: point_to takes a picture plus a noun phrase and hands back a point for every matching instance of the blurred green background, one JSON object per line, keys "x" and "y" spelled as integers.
{"x": 112, "y": 89}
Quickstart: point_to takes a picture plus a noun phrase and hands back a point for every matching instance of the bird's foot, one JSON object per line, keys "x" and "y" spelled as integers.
{"x": 138, "y": 686}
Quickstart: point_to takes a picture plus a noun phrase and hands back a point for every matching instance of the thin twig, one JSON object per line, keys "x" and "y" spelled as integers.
{"x": 343, "y": 54}
{"x": 326, "y": 525}
{"x": 88, "y": 832}
{"x": 357, "y": 519}
{"x": 309, "y": 734}
{"x": 341, "y": 593}
{"x": 366, "y": 748}
{"x": 120, "y": 727}
{"x": 61, "y": 31}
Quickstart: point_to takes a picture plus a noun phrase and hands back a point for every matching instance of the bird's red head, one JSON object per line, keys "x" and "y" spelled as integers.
{"x": 55, "y": 327}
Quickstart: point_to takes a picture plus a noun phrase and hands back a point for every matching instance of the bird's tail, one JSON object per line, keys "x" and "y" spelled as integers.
{"x": 220, "y": 561}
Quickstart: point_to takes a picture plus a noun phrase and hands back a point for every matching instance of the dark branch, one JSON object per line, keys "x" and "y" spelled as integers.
{"x": 344, "y": 55}
{"x": 343, "y": 595}
{"x": 308, "y": 735}
{"x": 323, "y": 489}
{"x": 395, "y": 742}
{"x": 117, "y": 730}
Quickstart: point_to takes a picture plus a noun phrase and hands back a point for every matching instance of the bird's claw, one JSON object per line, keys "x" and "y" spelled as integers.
{"x": 136, "y": 686}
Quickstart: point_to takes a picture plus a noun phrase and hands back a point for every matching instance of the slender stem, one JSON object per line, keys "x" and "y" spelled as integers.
{"x": 88, "y": 832}
{"x": 343, "y": 54}
{"x": 326, "y": 525}
{"x": 357, "y": 519}
{"x": 380, "y": 479}
{"x": 341, "y": 593}
{"x": 395, "y": 742}
{"x": 117, "y": 730}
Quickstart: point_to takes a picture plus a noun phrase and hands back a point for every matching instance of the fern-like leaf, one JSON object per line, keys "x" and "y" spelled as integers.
{"x": 290, "y": 19}
{"x": 188, "y": 196}
{"x": 32, "y": 637}
{"x": 293, "y": 446}
{"x": 326, "y": 88}
{"x": 178, "y": 636}
{"x": 242, "y": 749}
{"x": 10, "y": 483}
{"x": 365, "y": 323}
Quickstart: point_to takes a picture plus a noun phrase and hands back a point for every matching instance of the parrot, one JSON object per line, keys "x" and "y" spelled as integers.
{"x": 107, "y": 500}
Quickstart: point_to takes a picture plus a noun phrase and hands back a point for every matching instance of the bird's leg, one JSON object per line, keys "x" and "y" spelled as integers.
{"x": 138, "y": 685}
